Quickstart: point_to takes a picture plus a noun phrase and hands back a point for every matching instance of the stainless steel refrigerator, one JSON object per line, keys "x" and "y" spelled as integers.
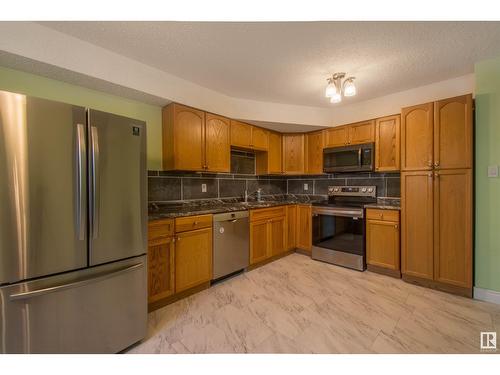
{"x": 73, "y": 228}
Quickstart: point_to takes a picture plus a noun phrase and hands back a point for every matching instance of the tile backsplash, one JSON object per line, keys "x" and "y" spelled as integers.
{"x": 173, "y": 186}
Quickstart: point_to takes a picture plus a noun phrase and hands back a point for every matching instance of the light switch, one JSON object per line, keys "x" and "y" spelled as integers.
{"x": 306, "y": 186}
{"x": 493, "y": 171}
{"x": 203, "y": 188}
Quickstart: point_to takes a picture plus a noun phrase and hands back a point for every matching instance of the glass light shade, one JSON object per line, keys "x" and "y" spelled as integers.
{"x": 336, "y": 98}
{"x": 349, "y": 88}
{"x": 330, "y": 90}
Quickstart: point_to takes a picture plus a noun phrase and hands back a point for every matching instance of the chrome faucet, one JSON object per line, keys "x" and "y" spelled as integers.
{"x": 259, "y": 195}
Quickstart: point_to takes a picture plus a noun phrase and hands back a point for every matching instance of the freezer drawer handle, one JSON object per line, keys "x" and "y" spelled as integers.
{"x": 76, "y": 284}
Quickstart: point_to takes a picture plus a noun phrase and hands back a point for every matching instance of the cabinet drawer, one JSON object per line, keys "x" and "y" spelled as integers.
{"x": 267, "y": 213}
{"x": 384, "y": 215}
{"x": 158, "y": 229}
{"x": 183, "y": 224}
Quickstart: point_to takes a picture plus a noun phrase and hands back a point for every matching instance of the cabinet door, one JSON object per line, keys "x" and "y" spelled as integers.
{"x": 314, "y": 152}
{"x": 335, "y": 137}
{"x": 453, "y": 133}
{"x": 189, "y": 138}
{"x": 293, "y": 153}
{"x": 417, "y": 254}
{"x": 193, "y": 258}
{"x": 382, "y": 244}
{"x": 277, "y": 236}
{"x": 304, "y": 228}
{"x": 453, "y": 227}
{"x": 217, "y": 144}
{"x": 362, "y": 132}
{"x": 417, "y": 126}
{"x": 274, "y": 153}
{"x": 160, "y": 269}
{"x": 259, "y": 241}
{"x": 387, "y": 143}
{"x": 241, "y": 134}
{"x": 260, "y": 139}
{"x": 291, "y": 226}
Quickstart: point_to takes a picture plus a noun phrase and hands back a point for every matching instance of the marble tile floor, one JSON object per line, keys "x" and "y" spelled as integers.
{"x": 298, "y": 305}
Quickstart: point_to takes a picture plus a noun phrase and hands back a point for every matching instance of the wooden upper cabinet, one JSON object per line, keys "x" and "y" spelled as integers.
{"x": 304, "y": 227}
{"x": 336, "y": 137}
{"x": 417, "y": 229}
{"x": 453, "y": 133}
{"x": 217, "y": 147}
{"x": 260, "y": 139}
{"x": 274, "y": 153}
{"x": 193, "y": 258}
{"x": 183, "y": 138}
{"x": 361, "y": 132}
{"x": 453, "y": 227}
{"x": 417, "y": 126}
{"x": 314, "y": 146}
{"x": 241, "y": 134}
{"x": 293, "y": 153}
{"x": 387, "y": 146}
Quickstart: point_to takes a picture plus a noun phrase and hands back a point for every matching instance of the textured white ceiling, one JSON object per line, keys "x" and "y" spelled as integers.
{"x": 289, "y": 62}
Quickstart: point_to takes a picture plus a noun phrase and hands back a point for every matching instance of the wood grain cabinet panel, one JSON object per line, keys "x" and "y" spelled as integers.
{"x": 277, "y": 233}
{"x": 382, "y": 240}
{"x": 217, "y": 143}
{"x": 362, "y": 132}
{"x": 417, "y": 254}
{"x": 270, "y": 162}
{"x": 314, "y": 143}
{"x": 193, "y": 258}
{"x": 417, "y": 126}
{"x": 304, "y": 227}
{"x": 453, "y": 133}
{"x": 453, "y": 227}
{"x": 293, "y": 153}
{"x": 387, "y": 143}
{"x": 335, "y": 137}
{"x": 241, "y": 134}
{"x": 259, "y": 241}
{"x": 183, "y": 138}
{"x": 161, "y": 267}
{"x": 291, "y": 227}
{"x": 260, "y": 139}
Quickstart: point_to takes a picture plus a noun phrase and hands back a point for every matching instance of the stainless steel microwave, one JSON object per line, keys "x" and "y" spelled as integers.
{"x": 354, "y": 158}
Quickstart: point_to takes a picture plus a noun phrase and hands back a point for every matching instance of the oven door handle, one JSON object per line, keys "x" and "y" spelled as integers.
{"x": 345, "y": 213}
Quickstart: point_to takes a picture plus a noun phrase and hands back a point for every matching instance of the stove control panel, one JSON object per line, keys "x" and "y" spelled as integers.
{"x": 358, "y": 191}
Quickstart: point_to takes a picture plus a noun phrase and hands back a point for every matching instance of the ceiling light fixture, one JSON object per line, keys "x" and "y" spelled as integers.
{"x": 336, "y": 88}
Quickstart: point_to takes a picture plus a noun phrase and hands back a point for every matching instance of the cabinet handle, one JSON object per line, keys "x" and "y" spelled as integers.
{"x": 429, "y": 163}
{"x": 429, "y": 174}
{"x": 396, "y": 226}
{"x": 178, "y": 239}
{"x": 436, "y": 175}
{"x": 195, "y": 222}
{"x": 436, "y": 164}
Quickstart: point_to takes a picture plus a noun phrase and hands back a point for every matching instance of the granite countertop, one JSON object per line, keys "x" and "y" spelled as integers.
{"x": 169, "y": 210}
{"x": 386, "y": 204}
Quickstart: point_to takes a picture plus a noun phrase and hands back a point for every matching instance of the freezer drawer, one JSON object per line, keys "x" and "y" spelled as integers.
{"x": 98, "y": 310}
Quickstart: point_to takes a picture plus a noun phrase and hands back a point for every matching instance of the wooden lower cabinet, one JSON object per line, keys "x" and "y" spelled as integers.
{"x": 304, "y": 227}
{"x": 291, "y": 227}
{"x": 277, "y": 233}
{"x": 161, "y": 266}
{"x": 382, "y": 242}
{"x": 268, "y": 234}
{"x": 193, "y": 258}
{"x": 259, "y": 249}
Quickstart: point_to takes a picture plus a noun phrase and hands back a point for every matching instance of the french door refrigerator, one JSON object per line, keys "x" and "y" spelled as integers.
{"x": 73, "y": 211}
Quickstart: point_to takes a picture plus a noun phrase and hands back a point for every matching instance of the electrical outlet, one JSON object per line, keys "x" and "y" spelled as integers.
{"x": 306, "y": 187}
{"x": 493, "y": 171}
{"x": 203, "y": 188}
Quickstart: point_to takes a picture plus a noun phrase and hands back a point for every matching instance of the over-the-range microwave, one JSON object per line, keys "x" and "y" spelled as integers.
{"x": 354, "y": 158}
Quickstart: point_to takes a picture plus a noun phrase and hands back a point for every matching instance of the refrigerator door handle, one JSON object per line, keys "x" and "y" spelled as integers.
{"x": 81, "y": 156}
{"x": 95, "y": 181}
{"x": 76, "y": 284}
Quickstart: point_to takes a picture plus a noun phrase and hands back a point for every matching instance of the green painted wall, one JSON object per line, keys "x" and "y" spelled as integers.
{"x": 487, "y": 249}
{"x": 30, "y": 84}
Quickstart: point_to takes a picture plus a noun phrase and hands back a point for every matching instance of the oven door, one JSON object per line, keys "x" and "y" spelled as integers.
{"x": 338, "y": 237}
{"x": 348, "y": 159}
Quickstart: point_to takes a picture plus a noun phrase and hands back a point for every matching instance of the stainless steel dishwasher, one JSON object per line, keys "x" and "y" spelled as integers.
{"x": 231, "y": 249}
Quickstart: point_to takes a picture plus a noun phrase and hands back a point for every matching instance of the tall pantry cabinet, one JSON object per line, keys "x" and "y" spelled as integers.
{"x": 436, "y": 194}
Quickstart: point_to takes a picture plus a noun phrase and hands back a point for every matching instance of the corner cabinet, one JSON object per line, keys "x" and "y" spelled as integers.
{"x": 293, "y": 153}
{"x": 314, "y": 152}
{"x": 270, "y": 162}
{"x": 250, "y": 137}
{"x": 387, "y": 144}
{"x": 194, "y": 140}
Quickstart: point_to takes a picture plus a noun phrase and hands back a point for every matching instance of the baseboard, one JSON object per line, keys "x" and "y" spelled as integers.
{"x": 487, "y": 295}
